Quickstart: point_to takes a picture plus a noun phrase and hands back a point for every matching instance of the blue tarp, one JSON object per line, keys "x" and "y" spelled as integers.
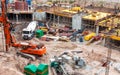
{"x": 29, "y": 2}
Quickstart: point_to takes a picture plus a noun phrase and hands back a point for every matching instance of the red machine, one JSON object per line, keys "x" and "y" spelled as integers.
{"x": 10, "y": 40}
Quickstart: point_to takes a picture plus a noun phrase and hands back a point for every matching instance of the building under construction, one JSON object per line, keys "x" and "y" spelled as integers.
{"x": 60, "y": 37}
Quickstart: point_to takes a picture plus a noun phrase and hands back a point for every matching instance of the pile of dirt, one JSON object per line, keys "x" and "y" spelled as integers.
{"x": 66, "y": 45}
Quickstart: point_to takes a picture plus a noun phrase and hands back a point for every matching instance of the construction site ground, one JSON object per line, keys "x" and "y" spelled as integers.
{"x": 94, "y": 55}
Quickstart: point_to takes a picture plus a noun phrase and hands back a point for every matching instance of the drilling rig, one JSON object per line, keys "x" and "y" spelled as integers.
{"x": 26, "y": 48}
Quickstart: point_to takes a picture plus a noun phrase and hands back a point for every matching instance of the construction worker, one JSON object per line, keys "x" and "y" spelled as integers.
{"x": 80, "y": 38}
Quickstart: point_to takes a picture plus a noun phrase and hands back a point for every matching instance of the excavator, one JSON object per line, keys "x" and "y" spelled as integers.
{"x": 27, "y": 49}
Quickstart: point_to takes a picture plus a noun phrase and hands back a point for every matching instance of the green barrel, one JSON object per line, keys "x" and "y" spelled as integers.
{"x": 42, "y": 69}
{"x": 39, "y": 33}
{"x": 30, "y": 69}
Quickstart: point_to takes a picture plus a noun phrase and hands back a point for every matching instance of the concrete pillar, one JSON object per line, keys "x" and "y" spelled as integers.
{"x": 17, "y": 18}
{"x": 33, "y": 17}
{"x": 50, "y": 17}
{"x": 103, "y": 43}
{"x": 58, "y": 19}
{"x": 54, "y": 18}
{"x": 97, "y": 30}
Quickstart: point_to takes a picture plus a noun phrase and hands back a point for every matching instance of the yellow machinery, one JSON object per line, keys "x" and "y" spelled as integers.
{"x": 113, "y": 37}
{"x": 116, "y": 36}
{"x": 76, "y": 9}
{"x": 44, "y": 29}
{"x": 89, "y": 36}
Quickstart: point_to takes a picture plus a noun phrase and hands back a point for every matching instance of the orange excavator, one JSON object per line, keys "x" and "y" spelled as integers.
{"x": 27, "y": 48}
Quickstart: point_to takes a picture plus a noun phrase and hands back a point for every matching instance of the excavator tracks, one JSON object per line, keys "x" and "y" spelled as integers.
{"x": 28, "y": 56}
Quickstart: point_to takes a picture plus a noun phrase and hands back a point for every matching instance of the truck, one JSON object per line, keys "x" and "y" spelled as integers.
{"x": 29, "y": 31}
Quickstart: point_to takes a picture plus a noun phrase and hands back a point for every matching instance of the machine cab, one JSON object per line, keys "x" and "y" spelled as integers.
{"x": 27, "y": 34}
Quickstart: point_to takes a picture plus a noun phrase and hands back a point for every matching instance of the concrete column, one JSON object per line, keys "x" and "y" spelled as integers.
{"x": 97, "y": 30}
{"x": 33, "y": 17}
{"x": 54, "y": 18}
{"x": 103, "y": 43}
{"x": 50, "y": 17}
{"x": 17, "y": 18}
{"x": 58, "y": 19}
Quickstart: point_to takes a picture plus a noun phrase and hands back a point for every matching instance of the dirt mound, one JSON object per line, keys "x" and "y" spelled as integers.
{"x": 66, "y": 45}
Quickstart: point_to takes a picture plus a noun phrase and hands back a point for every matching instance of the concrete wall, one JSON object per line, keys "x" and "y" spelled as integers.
{"x": 77, "y": 21}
